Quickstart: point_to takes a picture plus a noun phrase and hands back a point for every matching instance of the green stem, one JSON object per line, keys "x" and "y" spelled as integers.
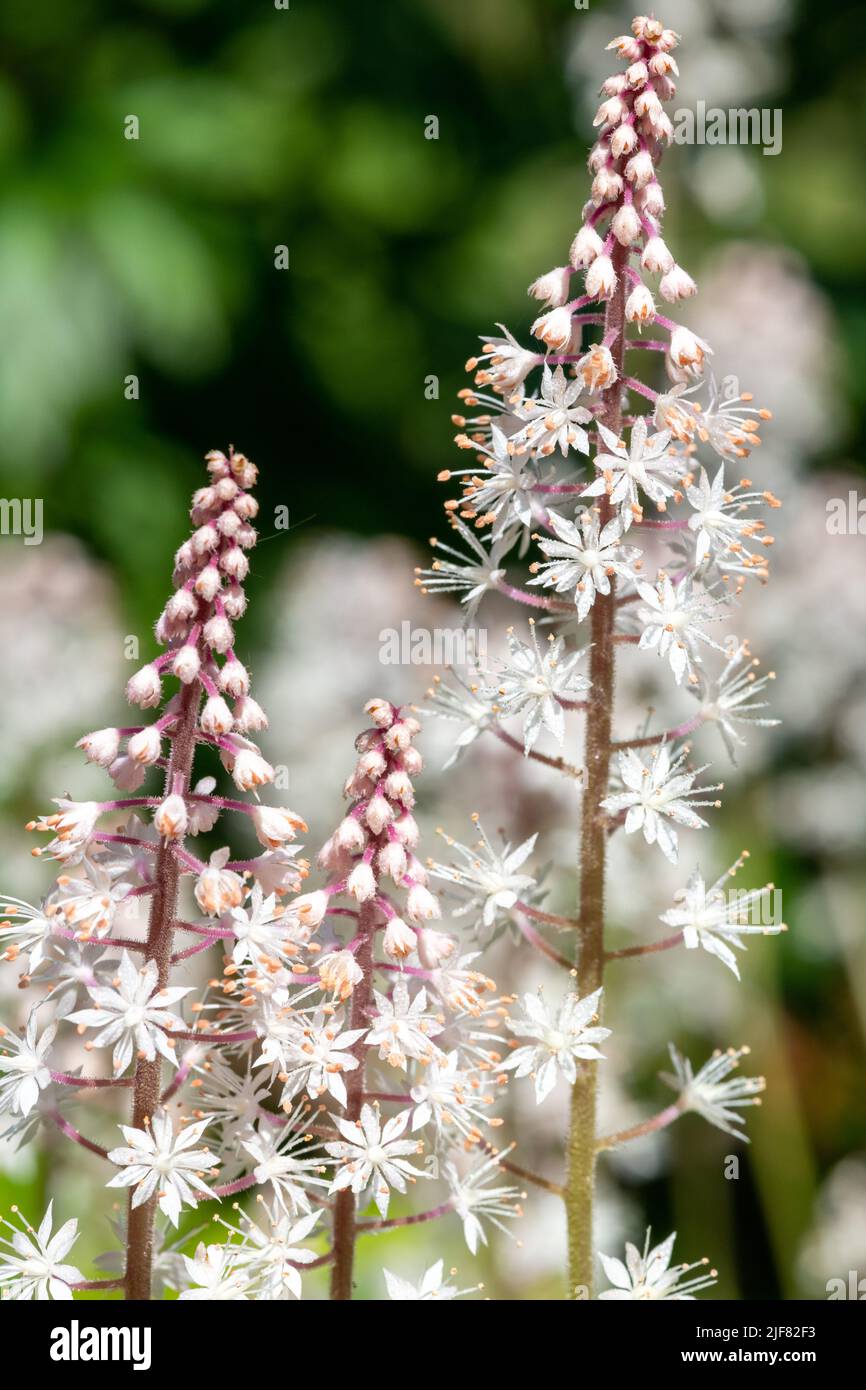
{"x": 581, "y": 1151}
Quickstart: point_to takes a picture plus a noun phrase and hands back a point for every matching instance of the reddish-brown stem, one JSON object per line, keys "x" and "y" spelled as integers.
{"x": 559, "y": 764}
{"x": 345, "y": 1226}
{"x": 660, "y": 1121}
{"x": 664, "y": 945}
{"x": 163, "y": 911}
{"x": 580, "y": 1174}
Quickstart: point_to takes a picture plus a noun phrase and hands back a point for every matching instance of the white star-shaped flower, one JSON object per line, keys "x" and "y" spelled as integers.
{"x": 672, "y": 622}
{"x": 717, "y": 919}
{"x": 313, "y": 1052}
{"x": 709, "y": 1093}
{"x": 557, "y": 1041}
{"x": 585, "y": 558}
{"x": 648, "y": 1276}
{"x": 488, "y": 879}
{"x": 647, "y": 466}
{"x": 538, "y": 683}
{"x": 133, "y": 1014}
{"x": 657, "y": 794}
{"x": 34, "y": 1269}
{"x": 373, "y": 1155}
{"x": 158, "y": 1161}
{"x": 23, "y": 1062}
{"x": 555, "y": 421}
{"x": 403, "y": 1026}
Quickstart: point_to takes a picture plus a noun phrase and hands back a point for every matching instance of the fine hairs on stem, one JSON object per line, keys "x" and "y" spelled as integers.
{"x": 645, "y": 541}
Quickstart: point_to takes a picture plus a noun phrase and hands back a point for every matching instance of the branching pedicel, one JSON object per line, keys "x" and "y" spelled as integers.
{"x": 644, "y": 482}
{"x": 274, "y": 1087}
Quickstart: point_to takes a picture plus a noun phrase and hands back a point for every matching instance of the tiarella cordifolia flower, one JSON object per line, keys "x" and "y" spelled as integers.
{"x": 24, "y": 930}
{"x": 133, "y": 1014}
{"x": 309, "y": 1053}
{"x": 729, "y": 699}
{"x": 647, "y": 466}
{"x": 472, "y": 576}
{"x": 219, "y": 889}
{"x": 717, "y": 918}
{"x": 275, "y": 825}
{"x": 672, "y": 622}
{"x": 451, "y": 1096}
{"x": 278, "y": 1154}
{"x": 72, "y": 827}
{"x": 651, "y": 1276}
{"x": 159, "y": 1161}
{"x": 584, "y": 558}
{"x": 404, "y": 1027}
{"x": 259, "y": 930}
{"x": 488, "y": 881}
{"x": 507, "y": 364}
{"x": 430, "y": 1287}
{"x": 723, "y": 528}
{"x": 538, "y": 684}
{"x": 234, "y": 1100}
{"x": 214, "y": 1275}
{"x": 554, "y": 419}
{"x": 268, "y": 1256}
{"x": 499, "y": 492}
{"x": 32, "y": 1264}
{"x": 557, "y": 1041}
{"x": 709, "y": 1092}
{"x": 469, "y": 706}
{"x": 339, "y": 972}
{"x": 373, "y": 1155}
{"x": 659, "y": 793}
{"x": 24, "y": 1070}
{"x": 87, "y": 902}
{"x": 478, "y": 1197}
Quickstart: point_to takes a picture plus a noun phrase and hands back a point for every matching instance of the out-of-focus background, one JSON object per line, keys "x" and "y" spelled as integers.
{"x": 145, "y": 320}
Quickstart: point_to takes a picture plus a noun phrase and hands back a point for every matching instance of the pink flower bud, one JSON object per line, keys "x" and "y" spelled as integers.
{"x": 585, "y": 247}
{"x": 249, "y": 715}
{"x": 687, "y": 351}
{"x": 601, "y": 278}
{"x": 378, "y": 814}
{"x": 275, "y": 825}
{"x": 339, "y": 972}
{"x": 399, "y": 940}
{"x": 554, "y": 329}
{"x": 234, "y": 563}
{"x": 640, "y": 169}
{"x": 656, "y": 257}
{"x": 218, "y": 889}
{"x": 218, "y": 634}
{"x": 101, "y": 746}
{"x": 205, "y": 539}
{"x": 434, "y": 947}
{"x": 235, "y": 602}
{"x": 381, "y": 712}
{"x": 406, "y": 830}
{"x": 251, "y": 770}
{"x": 145, "y": 747}
{"x": 126, "y": 775}
{"x": 186, "y": 664}
{"x": 626, "y": 225}
{"x": 350, "y": 835}
{"x": 181, "y": 606}
{"x": 552, "y": 288}
{"x": 216, "y": 717}
{"x": 361, "y": 883}
{"x": 372, "y": 763}
{"x": 233, "y": 679}
{"x": 398, "y": 785}
{"x": 421, "y": 905}
{"x": 392, "y": 861}
{"x": 208, "y": 583}
{"x": 597, "y": 368}
{"x": 171, "y": 818}
{"x": 640, "y": 306}
{"x": 144, "y": 688}
{"x": 677, "y": 284}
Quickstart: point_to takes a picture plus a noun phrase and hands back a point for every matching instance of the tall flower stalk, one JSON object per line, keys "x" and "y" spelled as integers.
{"x": 343, "y": 1053}
{"x": 600, "y": 465}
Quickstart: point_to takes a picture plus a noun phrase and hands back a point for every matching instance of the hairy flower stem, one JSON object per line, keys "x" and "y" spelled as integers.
{"x": 163, "y": 912}
{"x": 580, "y": 1175}
{"x": 345, "y": 1228}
